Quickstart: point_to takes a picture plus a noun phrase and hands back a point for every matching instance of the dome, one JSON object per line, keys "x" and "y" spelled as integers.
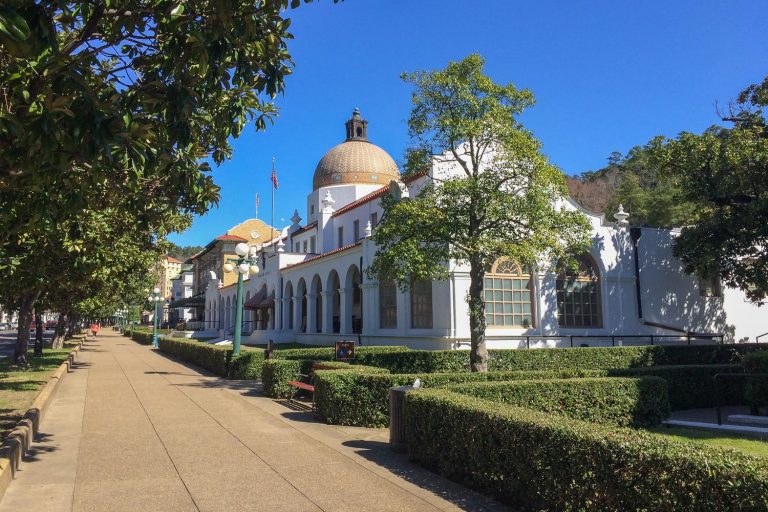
{"x": 356, "y": 160}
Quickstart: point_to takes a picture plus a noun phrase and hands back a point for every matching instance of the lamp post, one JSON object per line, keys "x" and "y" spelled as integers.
{"x": 155, "y": 298}
{"x": 244, "y": 264}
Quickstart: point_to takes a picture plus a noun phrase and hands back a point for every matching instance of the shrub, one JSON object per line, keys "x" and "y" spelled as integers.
{"x": 361, "y": 398}
{"x": 246, "y": 365}
{"x": 694, "y": 386}
{"x": 363, "y": 354}
{"x": 589, "y": 358}
{"x": 636, "y": 402}
{"x": 210, "y": 357}
{"x": 275, "y": 374}
{"x": 756, "y": 391}
{"x": 145, "y": 338}
{"x": 538, "y": 461}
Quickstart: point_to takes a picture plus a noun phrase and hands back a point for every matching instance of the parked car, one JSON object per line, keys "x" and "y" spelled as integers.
{"x": 4, "y": 326}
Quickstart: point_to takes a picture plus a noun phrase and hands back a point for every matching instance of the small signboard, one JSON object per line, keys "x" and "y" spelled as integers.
{"x": 345, "y": 350}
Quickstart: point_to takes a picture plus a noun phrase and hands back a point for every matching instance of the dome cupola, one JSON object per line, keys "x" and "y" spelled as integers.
{"x": 356, "y": 160}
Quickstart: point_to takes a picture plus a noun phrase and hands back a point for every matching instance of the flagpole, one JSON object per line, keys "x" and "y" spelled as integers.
{"x": 272, "y": 221}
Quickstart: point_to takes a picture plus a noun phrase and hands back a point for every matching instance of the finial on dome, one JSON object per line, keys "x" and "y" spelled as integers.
{"x": 328, "y": 200}
{"x": 368, "y": 231}
{"x": 296, "y": 219}
{"x": 357, "y": 127}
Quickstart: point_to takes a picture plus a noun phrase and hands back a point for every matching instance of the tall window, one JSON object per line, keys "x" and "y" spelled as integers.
{"x": 508, "y": 295}
{"x": 355, "y": 231}
{"x": 374, "y": 220}
{"x": 710, "y": 287}
{"x": 387, "y": 304}
{"x": 578, "y": 295}
{"x": 312, "y": 247}
{"x": 421, "y": 304}
{"x": 341, "y": 236}
{"x": 305, "y": 246}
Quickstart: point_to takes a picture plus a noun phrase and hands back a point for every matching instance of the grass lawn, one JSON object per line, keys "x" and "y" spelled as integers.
{"x": 750, "y": 446}
{"x": 20, "y": 386}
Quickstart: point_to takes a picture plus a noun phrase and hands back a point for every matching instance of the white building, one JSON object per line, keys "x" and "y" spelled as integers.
{"x": 182, "y": 287}
{"x": 312, "y": 287}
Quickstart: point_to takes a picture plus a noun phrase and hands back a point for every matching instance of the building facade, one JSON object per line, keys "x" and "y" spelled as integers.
{"x": 313, "y": 288}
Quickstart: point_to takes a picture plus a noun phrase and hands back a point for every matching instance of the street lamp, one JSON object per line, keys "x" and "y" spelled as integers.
{"x": 244, "y": 264}
{"x": 155, "y": 298}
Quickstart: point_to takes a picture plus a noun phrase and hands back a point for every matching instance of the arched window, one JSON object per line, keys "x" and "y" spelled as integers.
{"x": 578, "y": 295}
{"x": 508, "y": 295}
{"x": 387, "y": 304}
{"x": 421, "y": 304}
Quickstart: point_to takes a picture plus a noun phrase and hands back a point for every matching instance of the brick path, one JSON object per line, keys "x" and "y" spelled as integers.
{"x": 130, "y": 429}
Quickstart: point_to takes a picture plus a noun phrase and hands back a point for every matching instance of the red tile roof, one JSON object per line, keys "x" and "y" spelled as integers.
{"x": 373, "y": 195}
{"x": 233, "y": 238}
{"x": 319, "y": 256}
{"x": 305, "y": 228}
{"x": 171, "y": 259}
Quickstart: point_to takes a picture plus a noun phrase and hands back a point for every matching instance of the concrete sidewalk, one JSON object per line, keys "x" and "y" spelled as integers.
{"x": 133, "y": 430}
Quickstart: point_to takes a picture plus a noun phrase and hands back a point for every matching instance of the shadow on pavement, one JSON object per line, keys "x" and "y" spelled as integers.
{"x": 398, "y": 464}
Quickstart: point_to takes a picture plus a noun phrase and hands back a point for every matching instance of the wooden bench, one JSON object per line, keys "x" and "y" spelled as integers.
{"x": 297, "y": 385}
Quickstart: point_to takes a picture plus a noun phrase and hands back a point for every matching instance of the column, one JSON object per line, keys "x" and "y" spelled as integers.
{"x": 327, "y": 312}
{"x": 311, "y": 308}
{"x": 277, "y": 322}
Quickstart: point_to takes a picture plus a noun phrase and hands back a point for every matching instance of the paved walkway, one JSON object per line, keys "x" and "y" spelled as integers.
{"x": 130, "y": 429}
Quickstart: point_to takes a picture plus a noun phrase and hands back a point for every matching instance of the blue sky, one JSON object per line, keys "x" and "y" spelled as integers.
{"x": 607, "y": 75}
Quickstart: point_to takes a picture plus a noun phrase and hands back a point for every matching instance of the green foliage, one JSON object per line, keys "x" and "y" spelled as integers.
{"x": 539, "y": 461}
{"x": 634, "y": 402}
{"x": 693, "y": 386}
{"x": 246, "y": 365}
{"x": 145, "y": 338}
{"x": 361, "y": 398}
{"x": 566, "y": 358}
{"x": 364, "y": 354}
{"x": 756, "y": 392}
{"x": 502, "y": 202}
{"x": 182, "y": 253}
{"x": 275, "y": 374}
{"x": 211, "y": 357}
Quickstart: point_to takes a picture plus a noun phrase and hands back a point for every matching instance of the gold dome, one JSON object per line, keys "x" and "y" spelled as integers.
{"x": 356, "y": 160}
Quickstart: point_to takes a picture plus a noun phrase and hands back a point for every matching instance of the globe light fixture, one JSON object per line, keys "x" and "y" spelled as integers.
{"x": 228, "y": 267}
{"x": 253, "y": 269}
{"x": 242, "y": 249}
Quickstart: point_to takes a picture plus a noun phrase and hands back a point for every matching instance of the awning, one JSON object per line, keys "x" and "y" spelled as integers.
{"x": 197, "y": 301}
{"x": 261, "y": 300}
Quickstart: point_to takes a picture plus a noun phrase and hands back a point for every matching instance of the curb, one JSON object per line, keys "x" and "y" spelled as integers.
{"x": 21, "y": 437}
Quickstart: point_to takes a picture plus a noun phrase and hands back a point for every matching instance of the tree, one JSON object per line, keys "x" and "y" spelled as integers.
{"x": 118, "y": 105}
{"x": 723, "y": 173}
{"x": 504, "y": 200}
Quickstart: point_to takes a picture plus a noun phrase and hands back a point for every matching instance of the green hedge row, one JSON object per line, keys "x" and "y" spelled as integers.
{"x": 693, "y": 387}
{"x": 588, "y": 358}
{"x": 276, "y": 373}
{"x": 538, "y": 461}
{"x": 622, "y": 401}
{"x": 756, "y": 391}
{"x": 361, "y": 398}
{"x": 211, "y": 357}
{"x": 145, "y": 338}
{"x": 246, "y": 365}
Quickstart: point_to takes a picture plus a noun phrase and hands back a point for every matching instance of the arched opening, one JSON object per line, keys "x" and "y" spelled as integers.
{"x": 578, "y": 294}
{"x": 248, "y": 325}
{"x": 301, "y": 295}
{"x": 508, "y": 292}
{"x": 354, "y": 309}
{"x": 288, "y": 303}
{"x": 316, "y": 291}
{"x": 333, "y": 287}
{"x": 421, "y": 304}
{"x": 228, "y": 317}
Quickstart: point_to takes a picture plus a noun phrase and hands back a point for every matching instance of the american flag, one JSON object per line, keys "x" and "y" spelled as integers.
{"x": 274, "y": 178}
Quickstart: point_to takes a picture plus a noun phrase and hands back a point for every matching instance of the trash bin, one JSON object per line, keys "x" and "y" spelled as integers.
{"x": 397, "y": 417}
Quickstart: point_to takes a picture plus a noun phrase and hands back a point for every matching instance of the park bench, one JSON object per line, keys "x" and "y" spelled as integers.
{"x": 299, "y": 385}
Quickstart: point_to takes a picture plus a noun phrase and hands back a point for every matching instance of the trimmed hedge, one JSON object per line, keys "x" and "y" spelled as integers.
{"x": 144, "y": 338}
{"x": 538, "y": 461}
{"x": 756, "y": 391}
{"x": 622, "y": 401}
{"x": 361, "y": 398}
{"x": 587, "y": 358}
{"x": 364, "y": 355}
{"x": 276, "y": 373}
{"x": 693, "y": 387}
{"x": 210, "y": 357}
{"x": 246, "y": 365}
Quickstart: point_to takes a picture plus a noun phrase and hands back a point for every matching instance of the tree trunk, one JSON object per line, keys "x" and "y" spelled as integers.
{"x": 478, "y": 355}
{"x": 38, "y": 334}
{"x": 25, "y": 320}
{"x": 61, "y": 331}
